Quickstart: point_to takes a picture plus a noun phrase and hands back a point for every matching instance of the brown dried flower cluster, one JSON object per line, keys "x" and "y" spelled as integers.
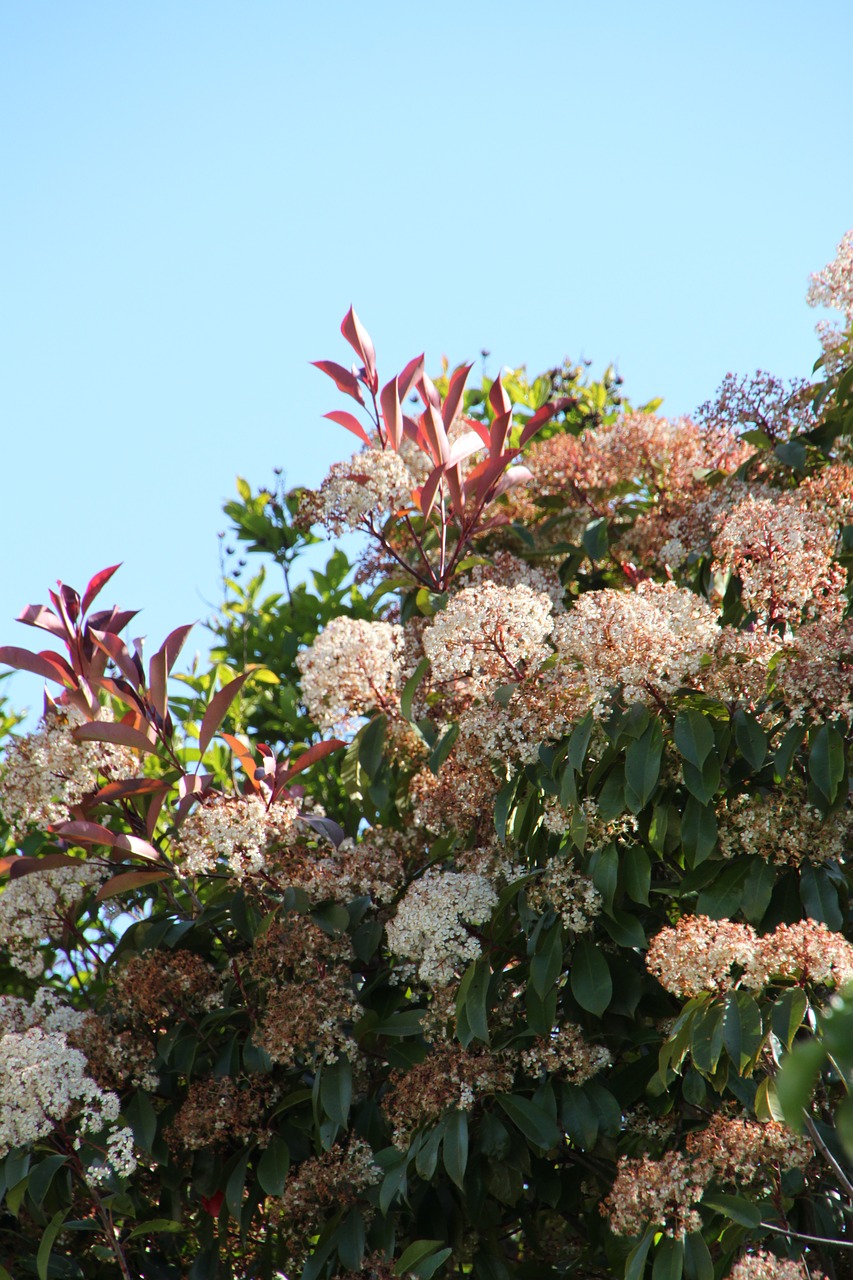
{"x": 319, "y": 1187}
{"x": 372, "y": 867}
{"x": 154, "y": 989}
{"x": 309, "y": 1003}
{"x": 762, "y": 1265}
{"x": 451, "y": 1077}
{"x": 218, "y": 1111}
{"x": 566, "y": 1055}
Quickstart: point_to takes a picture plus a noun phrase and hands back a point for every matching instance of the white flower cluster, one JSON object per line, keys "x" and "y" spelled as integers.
{"x": 43, "y": 1082}
{"x": 650, "y": 641}
{"x": 782, "y": 828}
{"x": 429, "y": 927}
{"x": 567, "y": 1055}
{"x": 48, "y": 771}
{"x": 782, "y": 551}
{"x": 118, "y": 1158}
{"x": 571, "y": 893}
{"x": 763, "y": 1265}
{"x": 491, "y": 633}
{"x": 237, "y": 830}
{"x": 833, "y": 287}
{"x": 33, "y": 910}
{"x": 351, "y": 668}
{"x": 373, "y": 482}
{"x": 47, "y": 1011}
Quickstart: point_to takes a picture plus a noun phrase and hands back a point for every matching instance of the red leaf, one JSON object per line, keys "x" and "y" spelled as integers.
{"x": 131, "y": 787}
{"x": 543, "y": 415}
{"x": 463, "y": 446}
{"x": 428, "y": 391}
{"x": 217, "y": 709}
{"x": 112, "y": 620}
{"x": 128, "y": 880}
{"x": 26, "y": 866}
{"x": 392, "y": 411}
{"x": 95, "y": 833}
{"x": 244, "y": 755}
{"x": 99, "y": 581}
{"x": 50, "y": 666}
{"x": 498, "y": 398}
{"x": 157, "y": 683}
{"x": 511, "y": 477}
{"x": 174, "y": 643}
{"x": 412, "y": 373}
{"x": 350, "y": 421}
{"x": 436, "y": 436}
{"x": 212, "y": 1204}
{"x": 123, "y": 734}
{"x": 499, "y": 432}
{"x": 37, "y": 615}
{"x": 426, "y": 495}
{"x": 457, "y": 493}
{"x": 454, "y": 394}
{"x": 359, "y": 339}
{"x": 343, "y": 379}
{"x": 120, "y": 654}
{"x": 311, "y": 756}
{"x": 5, "y": 863}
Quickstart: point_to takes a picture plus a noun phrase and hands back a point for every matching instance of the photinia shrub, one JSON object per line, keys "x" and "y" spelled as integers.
{"x": 485, "y": 915}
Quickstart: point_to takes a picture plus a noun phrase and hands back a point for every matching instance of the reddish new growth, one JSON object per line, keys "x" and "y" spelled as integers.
{"x": 412, "y": 487}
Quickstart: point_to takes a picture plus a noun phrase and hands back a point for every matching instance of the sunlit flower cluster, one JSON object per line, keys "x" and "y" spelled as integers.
{"x": 429, "y": 929}
{"x": 489, "y": 633}
{"x": 701, "y": 955}
{"x": 763, "y": 1265}
{"x": 782, "y": 828}
{"x": 648, "y": 642}
{"x": 373, "y": 484}
{"x": 747, "y": 1153}
{"x": 36, "y": 908}
{"x": 234, "y": 831}
{"x": 833, "y": 287}
{"x": 566, "y": 1055}
{"x": 814, "y": 672}
{"x": 47, "y": 772}
{"x": 43, "y": 1082}
{"x": 782, "y": 552}
{"x": 663, "y": 1192}
{"x": 571, "y": 893}
{"x": 508, "y": 571}
{"x": 353, "y": 667}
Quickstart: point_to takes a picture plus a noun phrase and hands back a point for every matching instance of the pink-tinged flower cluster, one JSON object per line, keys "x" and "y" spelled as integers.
{"x": 763, "y": 1265}
{"x": 648, "y": 643}
{"x": 368, "y": 488}
{"x": 352, "y": 668}
{"x": 489, "y": 634}
{"x": 782, "y": 551}
{"x": 833, "y": 287}
{"x": 700, "y": 955}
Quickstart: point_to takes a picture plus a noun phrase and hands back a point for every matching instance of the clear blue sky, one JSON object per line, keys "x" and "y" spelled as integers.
{"x": 193, "y": 194}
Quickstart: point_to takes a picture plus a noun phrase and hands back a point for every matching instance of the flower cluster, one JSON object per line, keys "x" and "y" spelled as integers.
{"x": 782, "y": 828}
{"x": 763, "y": 1265}
{"x": 648, "y": 642}
{"x": 571, "y": 893}
{"x": 48, "y": 772}
{"x": 566, "y": 1055}
{"x": 374, "y": 483}
{"x": 833, "y": 287}
{"x": 429, "y": 929}
{"x": 352, "y": 668}
{"x": 745, "y": 1153}
{"x": 236, "y": 830}
{"x": 451, "y": 1077}
{"x": 701, "y": 955}
{"x": 217, "y": 1111}
{"x": 328, "y": 1182}
{"x": 37, "y": 908}
{"x": 490, "y": 634}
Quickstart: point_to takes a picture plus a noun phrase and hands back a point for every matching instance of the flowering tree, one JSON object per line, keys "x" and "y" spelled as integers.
{"x": 505, "y": 930}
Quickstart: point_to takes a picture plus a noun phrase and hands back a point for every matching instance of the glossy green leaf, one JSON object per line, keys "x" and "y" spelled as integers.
{"x": 642, "y": 767}
{"x": 589, "y": 977}
{"x": 750, "y": 738}
{"x": 273, "y": 1166}
{"x": 48, "y": 1240}
{"x": 826, "y": 761}
{"x": 669, "y": 1259}
{"x": 455, "y": 1148}
{"x": 336, "y": 1090}
{"x": 787, "y": 1013}
{"x": 694, "y": 737}
{"x": 536, "y": 1125}
{"x": 734, "y": 1207}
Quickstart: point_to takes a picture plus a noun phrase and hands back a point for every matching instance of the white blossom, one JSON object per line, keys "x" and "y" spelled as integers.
{"x": 429, "y": 927}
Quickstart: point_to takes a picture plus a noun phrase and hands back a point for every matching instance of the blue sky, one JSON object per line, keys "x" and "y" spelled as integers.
{"x": 194, "y": 193}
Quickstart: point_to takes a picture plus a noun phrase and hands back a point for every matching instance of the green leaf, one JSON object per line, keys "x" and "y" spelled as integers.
{"x": 336, "y": 1091}
{"x": 410, "y": 688}
{"x": 787, "y": 1013}
{"x": 736, "y": 1208}
{"x": 788, "y": 748}
{"x": 547, "y": 962}
{"x": 826, "y": 761}
{"x": 697, "y": 1258}
{"x": 758, "y": 890}
{"x": 395, "y": 1183}
{"x": 637, "y": 873}
{"x": 698, "y": 830}
{"x": 796, "y": 1081}
{"x": 350, "y": 1238}
{"x": 273, "y": 1166}
{"x": 722, "y": 898}
{"x": 371, "y": 740}
{"x": 235, "y": 1185}
{"x": 595, "y": 540}
{"x": 694, "y": 737}
{"x": 589, "y": 976}
{"x": 624, "y": 928}
{"x": 702, "y": 783}
{"x": 536, "y": 1124}
{"x": 635, "y": 1263}
{"x": 819, "y": 896}
{"x": 472, "y": 998}
{"x": 418, "y": 1253}
{"x": 427, "y": 1156}
{"x": 743, "y": 1033}
{"x": 443, "y": 747}
{"x": 706, "y": 1041}
{"x": 579, "y": 1119}
{"x": 579, "y": 741}
{"x": 605, "y": 873}
{"x": 42, "y": 1175}
{"x": 642, "y": 767}
{"x": 456, "y": 1147}
{"x": 669, "y": 1260}
{"x": 48, "y": 1240}
{"x": 503, "y": 804}
{"x": 750, "y": 738}
{"x": 155, "y": 1226}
